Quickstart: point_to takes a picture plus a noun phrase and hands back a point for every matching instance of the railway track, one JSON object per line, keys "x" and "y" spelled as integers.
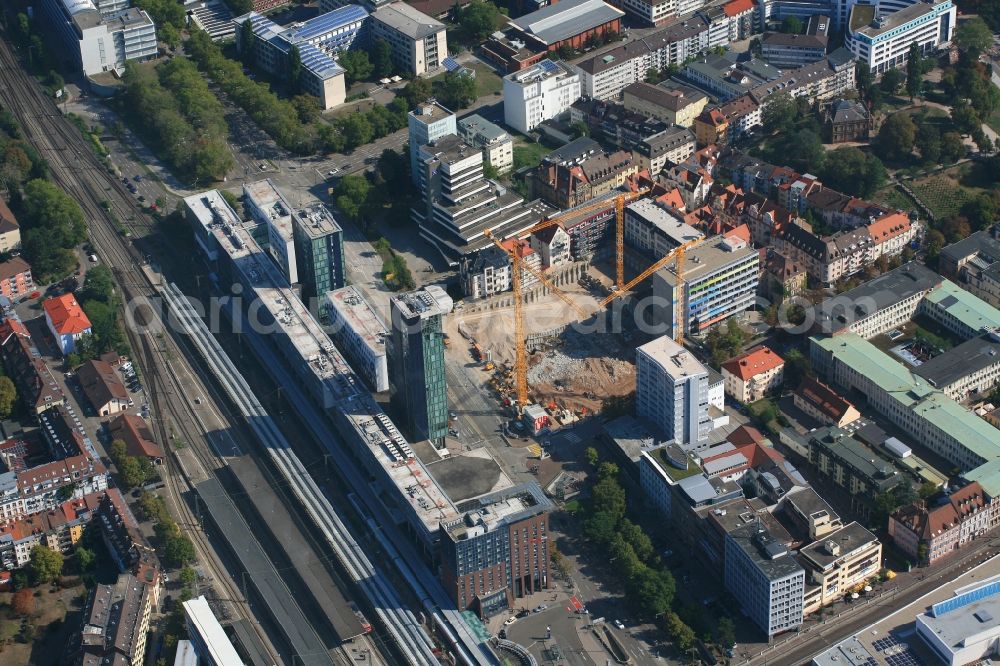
{"x": 77, "y": 171}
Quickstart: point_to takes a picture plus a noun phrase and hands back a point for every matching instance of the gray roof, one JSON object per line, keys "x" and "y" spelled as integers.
{"x": 808, "y": 502}
{"x": 567, "y": 19}
{"x": 476, "y": 125}
{"x": 407, "y": 20}
{"x": 771, "y": 556}
{"x": 574, "y": 150}
{"x": 981, "y": 242}
{"x": 849, "y": 538}
{"x": 972, "y": 615}
{"x": 884, "y": 23}
{"x": 784, "y": 39}
{"x": 835, "y": 314}
{"x": 850, "y": 652}
{"x": 674, "y": 98}
{"x": 967, "y": 358}
{"x": 848, "y": 111}
{"x": 638, "y": 48}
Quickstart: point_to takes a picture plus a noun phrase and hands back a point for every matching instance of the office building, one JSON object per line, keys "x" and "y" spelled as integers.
{"x": 427, "y": 123}
{"x": 792, "y": 50}
{"x": 498, "y": 551}
{"x": 965, "y": 628}
{"x": 974, "y": 263}
{"x": 751, "y": 376}
{"x": 719, "y": 280}
{"x": 419, "y": 42}
{"x": 267, "y": 206}
{"x": 360, "y": 334}
{"x": 317, "y": 40}
{"x": 539, "y": 93}
{"x": 676, "y": 105}
{"x": 655, "y": 230}
{"x": 672, "y": 392}
{"x": 416, "y": 362}
{"x": 461, "y": 205}
{"x": 837, "y": 563}
{"x": 926, "y": 531}
{"x": 208, "y": 637}
{"x": 496, "y": 144}
{"x": 881, "y": 41}
{"x": 97, "y": 41}
{"x": 908, "y": 401}
{"x": 319, "y": 251}
{"x": 764, "y": 578}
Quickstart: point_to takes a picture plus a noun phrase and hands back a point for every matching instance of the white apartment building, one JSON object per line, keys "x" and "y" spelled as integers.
{"x": 427, "y": 123}
{"x": 655, "y": 230}
{"x": 101, "y": 37}
{"x": 268, "y": 207}
{"x": 419, "y": 42}
{"x": 496, "y": 144}
{"x": 672, "y": 392}
{"x": 360, "y": 334}
{"x": 883, "y": 40}
{"x": 539, "y": 93}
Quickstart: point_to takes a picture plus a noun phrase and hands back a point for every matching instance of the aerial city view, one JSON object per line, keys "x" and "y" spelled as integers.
{"x": 499, "y": 332}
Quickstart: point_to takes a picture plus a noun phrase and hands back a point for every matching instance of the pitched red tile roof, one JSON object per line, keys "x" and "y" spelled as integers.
{"x": 135, "y": 433}
{"x": 745, "y": 435}
{"x": 737, "y": 7}
{"x": 67, "y": 317}
{"x": 753, "y": 363}
{"x": 823, "y": 398}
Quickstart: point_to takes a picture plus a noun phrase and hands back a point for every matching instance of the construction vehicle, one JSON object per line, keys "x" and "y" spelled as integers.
{"x": 489, "y": 366}
{"x": 621, "y": 288}
{"x": 477, "y": 351}
{"x": 444, "y": 338}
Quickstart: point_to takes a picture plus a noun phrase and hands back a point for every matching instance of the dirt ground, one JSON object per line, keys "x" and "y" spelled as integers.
{"x": 574, "y": 369}
{"x": 56, "y": 617}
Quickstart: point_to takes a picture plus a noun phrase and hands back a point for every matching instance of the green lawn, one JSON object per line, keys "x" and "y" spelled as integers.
{"x": 487, "y": 81}
{"x": 529, "y": 154}
{"x": 994, "y": 121}
{"x": 891, "y": 196}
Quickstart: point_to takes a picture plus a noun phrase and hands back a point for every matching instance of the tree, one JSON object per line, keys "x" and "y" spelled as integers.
{"x": 928, "y": 142}
{"x": 608, "y": 496}
{"x": 682, "y": 635}
{"x": 8, "y": 397}
{"x": 601, "y": 527}
{"x": 357, "y": 66}
{"x": 382, "y": 59}
{"x": 99, "y": 285}
{"x": 653, "y": 591}
{"x": 896, "y": 137}
{"x": 797, "y": 367}
{"x": 188, "y": 577}
{"x": 891, "y": 81}
{"x": 792, "y": 25}
{"x": 853, "y": 171}
{"x": 352, "y": 195}
{"x": 45, "y": 565}
{"x": 416, "y": 92}
{"x": 638, "y": 539}
{"x": 479, "y": 19}
{"x": 85, "y": 558}
{"x": 973, "y": 36}
{"x": 591, "y": 456}
{"x": 964, "y": 117}
{"x": 247, "y": 40}
{"x": 23, "y": 603}
{"x": 725, "y": 633}
{"x": 307, "y": 107}
{"x": 294, "y": 67}
{"x": 779, "y": 114}
{"x": 914, "y": 71}
{"x": 455, "y": 90}
{"x": 981, "y": 211}
{"x": 357, "y": 130}
{"x": 178, "y": 552}
{"x": 952, "y": 147}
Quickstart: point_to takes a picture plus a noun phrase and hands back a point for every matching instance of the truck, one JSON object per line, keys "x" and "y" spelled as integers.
{"x": 477, "y": 351}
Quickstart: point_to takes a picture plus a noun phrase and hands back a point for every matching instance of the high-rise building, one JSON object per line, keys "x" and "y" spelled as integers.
{"x": 672, "y": 392}
{"x": 719, "y": 280}
{"x": 419, "y": 42}
{"x": 498, "y": 551}
{"x": 539, "y": 93}
{"x": 319, "y": 250}
{"x": 881, "y": 39}
{"x": 101, "y": 37}
{"x": 765, "y": 578}
{"x": 417, "y": 390}
{"x": 428, "y": 123}
{"x": 268, "y": 207}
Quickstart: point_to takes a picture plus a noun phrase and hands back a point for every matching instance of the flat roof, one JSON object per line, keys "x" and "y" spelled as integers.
{"x": 478, "y": 126}
{"x": 214, "y": 638}
{"x": 674, "y": 359}
{"x": 468, "y": 475}
{"x": 566, "y": 19}
{"x": 495, "y": 510}
{"x": 664, "y": 221}
{"x": 848, "y": 539}
{"x": 974, "y": 612}
{"x": 968, "y": 309}
{"x": 429, "y": 112}
{"x": 896, "y": 19}
{"x": 266, "y": 197}
{"x": 403, "y": 18}
{"x": 771, "y": 557}
{"x": 712, "y": 255}
{"x": 675, "y": 97}
{"x": 958, "y": 362}
{"x": 364, "y": 321}
{"x": 317, "y": 221}
{"x": 327, "y": 23}
{"x": 853, "y": 452}
{"x": 849, "y": 652}
{"x": 541, "y": 70}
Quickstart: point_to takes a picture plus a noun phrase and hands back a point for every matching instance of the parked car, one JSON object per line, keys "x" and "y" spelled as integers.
{"x": 620, "y": 624}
